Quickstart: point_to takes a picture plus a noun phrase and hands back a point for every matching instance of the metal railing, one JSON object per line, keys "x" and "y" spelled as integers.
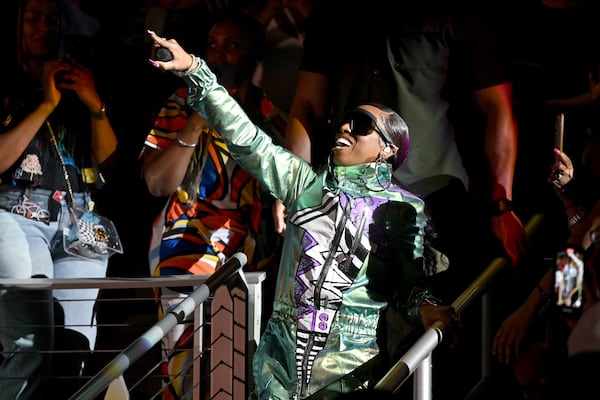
{"x": 178, "y": 315}
{"x": 232, "y": 322}
{"x": 417, "y": 359}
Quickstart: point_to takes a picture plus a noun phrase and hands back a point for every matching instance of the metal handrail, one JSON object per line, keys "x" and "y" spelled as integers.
{"x": 415, "y": 358}
{"x": 152, "y": 336}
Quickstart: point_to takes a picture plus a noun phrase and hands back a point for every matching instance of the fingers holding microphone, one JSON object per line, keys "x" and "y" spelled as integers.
{"x": 163, "y": 54}
{"x": 170, "y": 56}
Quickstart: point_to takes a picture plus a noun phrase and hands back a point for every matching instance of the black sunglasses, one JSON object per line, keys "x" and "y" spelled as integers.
{"x": 362, "y": 123}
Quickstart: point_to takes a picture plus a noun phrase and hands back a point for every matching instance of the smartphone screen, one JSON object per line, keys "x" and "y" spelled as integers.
{"x": 568, "y": 280}
{"x": 559, "y": 130}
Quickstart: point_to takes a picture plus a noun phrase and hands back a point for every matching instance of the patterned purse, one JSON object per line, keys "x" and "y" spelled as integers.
{"x": 86, "y": 233}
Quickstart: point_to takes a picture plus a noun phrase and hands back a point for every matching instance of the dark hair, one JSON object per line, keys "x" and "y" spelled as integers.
{"x": 19, "y": 29}
{"x": 397, "y": 130}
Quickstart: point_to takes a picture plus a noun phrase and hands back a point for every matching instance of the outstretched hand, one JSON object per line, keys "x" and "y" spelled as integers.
{"x": 181, "y": 61}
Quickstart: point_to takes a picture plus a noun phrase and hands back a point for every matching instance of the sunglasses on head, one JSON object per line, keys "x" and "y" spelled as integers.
{"x": 363, "y": 123}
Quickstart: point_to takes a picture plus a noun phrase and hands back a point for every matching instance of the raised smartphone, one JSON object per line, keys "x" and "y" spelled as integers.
{"x": 559, "y": 132}
{"x": 568, "y": 280}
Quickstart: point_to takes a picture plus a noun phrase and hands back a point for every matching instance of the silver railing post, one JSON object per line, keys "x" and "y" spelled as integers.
{"x": 121, "y": 362}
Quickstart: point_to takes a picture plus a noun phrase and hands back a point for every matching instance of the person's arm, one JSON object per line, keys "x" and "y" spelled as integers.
{"x": 396, "y": 266}
{"x": 103, "y": 140}
{"x": 508, "y": 340}
{"x": 80, "y": 79}
{"x": 580, "y": 100}
{"x": 308, "y": 112}
{"x": 501, "y": 152}
{"x": 14, "y": 141}
{"x": 583, "y": 99}
{"x": 500, "y": 136}
{"x": 282, "y": 173}
{"x": 582, "y": 229}
{"x": 510, "y": 335}
{"x": 580, "y": 221}
{"x": 164, "y": 169}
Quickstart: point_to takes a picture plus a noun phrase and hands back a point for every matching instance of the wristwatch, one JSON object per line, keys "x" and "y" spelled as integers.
{"x": 501, "y": 206}
{"x": 99, "y": 114}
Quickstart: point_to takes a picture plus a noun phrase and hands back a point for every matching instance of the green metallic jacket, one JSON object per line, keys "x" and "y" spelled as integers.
{"x": 353, "y": 246}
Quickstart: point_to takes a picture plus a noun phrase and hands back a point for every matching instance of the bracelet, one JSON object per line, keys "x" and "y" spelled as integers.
{"x": 430, "y": 301}
{"x": 191, "y": 69}
{"x": 416, "y": 299}
{"x": 185, "y": 144}
{"x": 194, "y": 66}
{"x": 427, "y": 300}
{"x": 99, "y": 114}
{"x": 500, "y": 206}
{"x": 575, "y": 219}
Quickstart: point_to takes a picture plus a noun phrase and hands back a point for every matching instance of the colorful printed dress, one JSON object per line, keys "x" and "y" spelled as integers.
{"x": 352, "y": 248}
{"x": 223, "y": 204}
{"x": 214, "y": 214}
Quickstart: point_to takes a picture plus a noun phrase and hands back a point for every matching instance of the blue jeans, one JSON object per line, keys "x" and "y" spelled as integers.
{"x": 28, "y": 318}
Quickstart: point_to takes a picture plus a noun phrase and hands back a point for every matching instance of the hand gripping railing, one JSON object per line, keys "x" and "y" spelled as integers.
{"x": 152, "y": 336}
{"x": 418, "y": 356}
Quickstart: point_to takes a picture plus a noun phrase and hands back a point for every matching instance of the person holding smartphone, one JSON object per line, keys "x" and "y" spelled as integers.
{"x": 577, "y": 378}
{"x": 57, "y": 144}
{"x": 581, "y": 201}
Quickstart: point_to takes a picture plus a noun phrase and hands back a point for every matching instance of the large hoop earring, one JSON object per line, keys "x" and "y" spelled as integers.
{"x": 383, "y": 174}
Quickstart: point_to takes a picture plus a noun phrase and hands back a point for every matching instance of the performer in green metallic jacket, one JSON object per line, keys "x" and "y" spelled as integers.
{"x": 353, "y": 246}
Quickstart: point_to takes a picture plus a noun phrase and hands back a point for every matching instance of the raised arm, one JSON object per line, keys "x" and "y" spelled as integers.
{"x": 501, "y": 152}
{"x": 308, "y": 112}
{"x": 281, "y": 172}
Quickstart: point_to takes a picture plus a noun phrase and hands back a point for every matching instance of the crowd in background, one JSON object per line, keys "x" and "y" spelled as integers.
{"x": 549, "y": 51}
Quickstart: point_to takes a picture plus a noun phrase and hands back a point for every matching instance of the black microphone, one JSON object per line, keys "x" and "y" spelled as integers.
{"x": 163, "y": 54}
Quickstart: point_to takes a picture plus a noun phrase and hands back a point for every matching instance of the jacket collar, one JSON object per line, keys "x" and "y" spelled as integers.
{"x": 364, "y": 179}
